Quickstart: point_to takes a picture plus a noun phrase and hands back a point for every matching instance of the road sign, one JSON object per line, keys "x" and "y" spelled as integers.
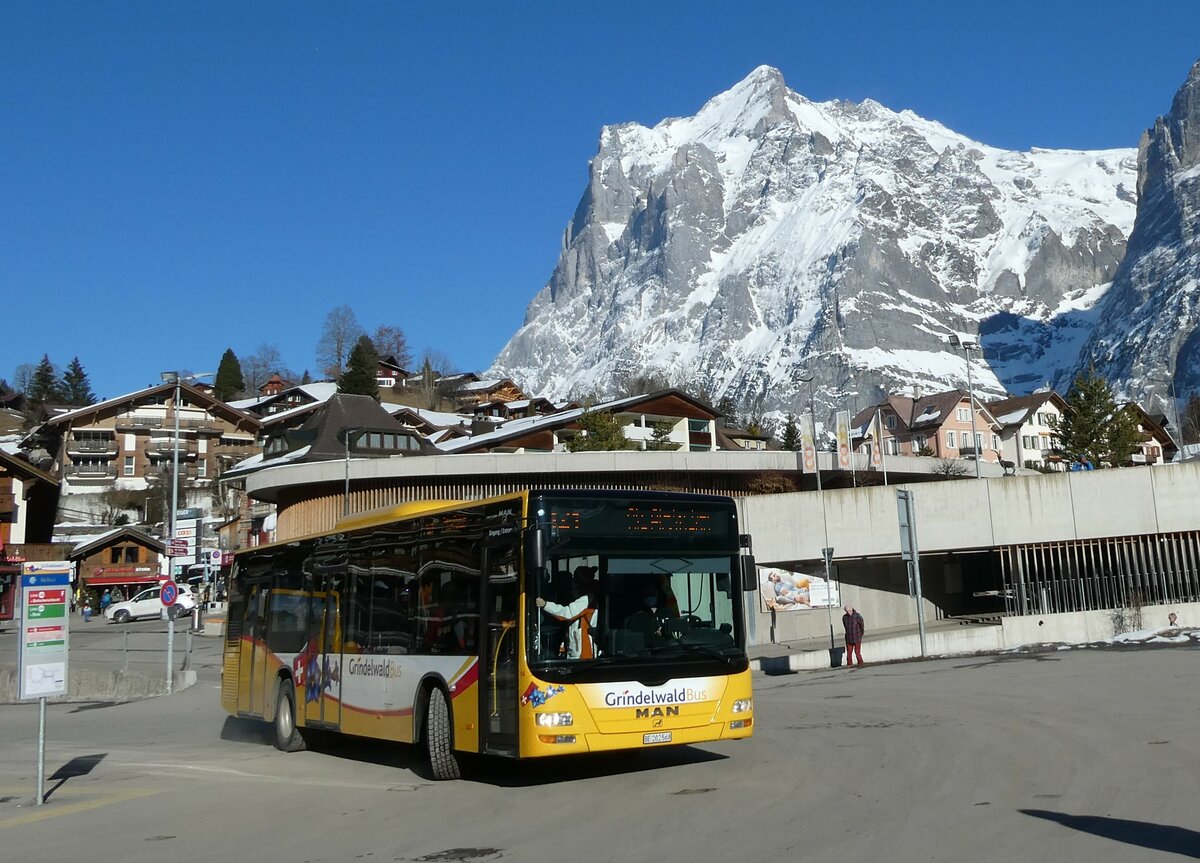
{"x": 42, "y": 648}
{"x": 214, "y": 557}
{"x": 169, "y": 593}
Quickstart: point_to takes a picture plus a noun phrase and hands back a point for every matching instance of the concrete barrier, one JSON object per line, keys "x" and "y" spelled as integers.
{"x": 101, "y": 684}
{"x": 1079, "y": 627}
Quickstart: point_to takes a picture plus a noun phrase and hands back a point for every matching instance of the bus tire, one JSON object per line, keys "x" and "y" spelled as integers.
{"x": 438, "y": 738}
{"x": 287, "y": 736}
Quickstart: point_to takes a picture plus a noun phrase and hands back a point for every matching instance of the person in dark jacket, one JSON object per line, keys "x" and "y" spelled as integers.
{"x": 852, "y": 621}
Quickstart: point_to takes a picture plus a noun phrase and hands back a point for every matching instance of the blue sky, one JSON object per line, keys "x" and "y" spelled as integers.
{"x": 179, "y": 178}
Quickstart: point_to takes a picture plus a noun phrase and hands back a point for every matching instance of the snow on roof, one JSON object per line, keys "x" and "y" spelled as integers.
{"x": 1013, "y": 417}
{"x": 481, "y": 385}
{"x": 928, "y": 416}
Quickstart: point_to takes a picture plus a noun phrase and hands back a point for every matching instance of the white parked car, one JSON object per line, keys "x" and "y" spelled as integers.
{"x": 147, "y": 603}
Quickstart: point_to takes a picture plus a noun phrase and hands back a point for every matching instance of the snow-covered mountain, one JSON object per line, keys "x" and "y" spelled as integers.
{"x": 769, "y": 237}
{"x": 1148, "y": 333}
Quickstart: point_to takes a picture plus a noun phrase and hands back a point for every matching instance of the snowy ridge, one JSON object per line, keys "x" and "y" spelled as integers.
{"x": 768, "y": 235}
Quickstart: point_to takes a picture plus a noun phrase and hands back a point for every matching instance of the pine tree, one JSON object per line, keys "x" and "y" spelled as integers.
{"x": 1093, "y": 427}
{"x": 76, "y": 389}
{"x": 362, "y": 370}
{"x": 791, "y": 434}
{"x": 229, "y": 383}
{"x": 598, "y": 431}
{"x": 44, "y": 385}
{"x": 307, "y": 378}
{"x": 660, "y": 437}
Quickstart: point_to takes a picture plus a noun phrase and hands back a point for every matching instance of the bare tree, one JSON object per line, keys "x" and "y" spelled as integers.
{"x": 259, "y": 366}
{"x": 338, "y": 335}
{"x": 950, "y": 468}
{"x": 434, "y": 386}
{"x": 391, "y": 342}
{"x": 23, "y": 377}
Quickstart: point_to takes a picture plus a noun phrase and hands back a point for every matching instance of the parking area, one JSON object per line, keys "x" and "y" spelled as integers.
{"x": 1074, "y": 755}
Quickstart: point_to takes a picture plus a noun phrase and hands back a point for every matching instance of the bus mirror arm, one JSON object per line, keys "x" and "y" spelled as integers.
{"x": 749, "y": 572}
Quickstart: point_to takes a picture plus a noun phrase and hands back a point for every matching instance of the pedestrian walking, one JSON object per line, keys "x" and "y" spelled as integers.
{"x": 87, "y": 612}
{"x": 105, "y": 600}
{"x": 852, "y": 621}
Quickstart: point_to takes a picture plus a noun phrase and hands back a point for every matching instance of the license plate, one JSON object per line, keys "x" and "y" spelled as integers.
{"x": 657, "y": 737}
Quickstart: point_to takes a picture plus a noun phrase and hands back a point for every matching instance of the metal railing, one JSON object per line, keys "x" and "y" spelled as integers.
{"x": 1088, "y": 575}
{"x": 85, "y": 471}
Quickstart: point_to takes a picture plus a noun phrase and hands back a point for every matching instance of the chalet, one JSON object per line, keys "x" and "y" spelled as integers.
{"x": 667, "y": 418}
{"x": 28, "y": 502}
{"x": 1028, "y": 425}
{"x": 1156, "y": 446}
{"x": 937, "y": 425}
{"x": 391, "y": 374}
{"x": 507, "y": 410}
{"x": 274, "y": 386}
{"x": 128, "y": 443}
{"x": 475, "y": 392}
{"x": 124, "y": 559}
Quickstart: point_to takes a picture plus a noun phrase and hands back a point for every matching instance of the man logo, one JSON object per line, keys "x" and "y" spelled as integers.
{"x": 648, "y": 713}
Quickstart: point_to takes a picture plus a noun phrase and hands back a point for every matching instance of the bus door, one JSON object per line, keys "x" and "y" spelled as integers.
{"x": 322, "y": 660}
{"x": 252, "y": 700}
{"x": 498, "y": 674}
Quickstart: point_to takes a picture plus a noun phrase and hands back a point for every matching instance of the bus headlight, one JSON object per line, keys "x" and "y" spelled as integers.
{"x": 554, "y": 720}
{"x": 743, "y": 705}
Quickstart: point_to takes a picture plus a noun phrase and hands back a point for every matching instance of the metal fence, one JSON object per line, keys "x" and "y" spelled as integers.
{"x": 1113, "y": 572}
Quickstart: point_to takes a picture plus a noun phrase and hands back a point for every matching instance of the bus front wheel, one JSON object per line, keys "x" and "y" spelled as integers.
{"x": 439, "y": 749}
{"x": 287, "y": 736}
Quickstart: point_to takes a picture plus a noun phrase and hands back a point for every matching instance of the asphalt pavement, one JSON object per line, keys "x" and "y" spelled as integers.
{"x": 1071, "y": 755}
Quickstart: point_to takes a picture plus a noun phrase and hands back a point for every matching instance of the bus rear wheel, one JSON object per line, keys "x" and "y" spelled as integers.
{"x": 287, "y": 736}
{"x": 438, "y": 738}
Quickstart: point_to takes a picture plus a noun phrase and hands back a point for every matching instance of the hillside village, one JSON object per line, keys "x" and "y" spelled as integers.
{"x": 92, "y": 483}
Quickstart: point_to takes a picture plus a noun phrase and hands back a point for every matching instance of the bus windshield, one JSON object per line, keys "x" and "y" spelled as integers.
{"x": 600, "y": 607}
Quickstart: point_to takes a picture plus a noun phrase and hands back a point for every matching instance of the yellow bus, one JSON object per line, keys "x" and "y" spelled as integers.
{"x": 533, "y": 624}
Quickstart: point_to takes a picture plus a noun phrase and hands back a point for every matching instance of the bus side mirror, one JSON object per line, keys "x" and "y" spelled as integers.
{"x": 749, "y": 572}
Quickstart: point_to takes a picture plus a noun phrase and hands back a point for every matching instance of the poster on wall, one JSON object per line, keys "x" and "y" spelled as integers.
{"x": 784, "y": 590}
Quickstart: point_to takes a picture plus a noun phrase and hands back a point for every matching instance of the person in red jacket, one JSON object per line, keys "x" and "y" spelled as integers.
{"x": 853, "y": 623}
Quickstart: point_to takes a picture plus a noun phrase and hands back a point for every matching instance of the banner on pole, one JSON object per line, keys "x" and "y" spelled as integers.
{"x": 843, "y": 440}
{"x": 808, "y": 447}
{"x": 877, "y": 441}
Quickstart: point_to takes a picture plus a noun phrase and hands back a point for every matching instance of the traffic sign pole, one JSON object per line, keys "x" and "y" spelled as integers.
{"x": 167, "y": 595}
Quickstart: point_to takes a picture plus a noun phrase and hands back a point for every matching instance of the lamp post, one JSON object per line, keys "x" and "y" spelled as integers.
{"x": 812, "y": 414}
{"x": 177, "y": 379}
{"x": 349, "y": 433}
{"x": 968, "y": 346}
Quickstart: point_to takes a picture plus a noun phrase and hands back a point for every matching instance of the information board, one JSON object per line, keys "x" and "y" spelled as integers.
{"x": 44, "y": 636}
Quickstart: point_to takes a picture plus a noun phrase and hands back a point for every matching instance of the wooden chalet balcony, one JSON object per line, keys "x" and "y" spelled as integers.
{"x": 92, "y": 446}
{"x": 164, "y": 448}
{"x": 164, "y": 472}
{"x": 139, "y": 423}
{"x": 87, "y": 471}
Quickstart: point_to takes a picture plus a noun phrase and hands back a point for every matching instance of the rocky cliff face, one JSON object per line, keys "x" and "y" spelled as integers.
{"x": 769, "y": 237}
{"x": 1147, "y": 336}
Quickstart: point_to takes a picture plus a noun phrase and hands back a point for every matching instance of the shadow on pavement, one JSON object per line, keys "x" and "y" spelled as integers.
{"x": 1144, "y": 834}
{"x": 80, "y": 765}
{"x": 500, "y": 772}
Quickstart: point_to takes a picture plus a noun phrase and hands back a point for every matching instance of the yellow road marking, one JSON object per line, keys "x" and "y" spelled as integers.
{"x": 50, "y": 810}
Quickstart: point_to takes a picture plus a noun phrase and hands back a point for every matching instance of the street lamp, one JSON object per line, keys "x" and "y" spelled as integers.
{"x": 177, "y": 379}
{"x": 348, "y": 433}
{"x": 967, "y": 346}
{"x": 812, "y": 413}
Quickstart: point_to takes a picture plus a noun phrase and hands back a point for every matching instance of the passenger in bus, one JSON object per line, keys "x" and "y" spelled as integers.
{"x": 580, "y": 614}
